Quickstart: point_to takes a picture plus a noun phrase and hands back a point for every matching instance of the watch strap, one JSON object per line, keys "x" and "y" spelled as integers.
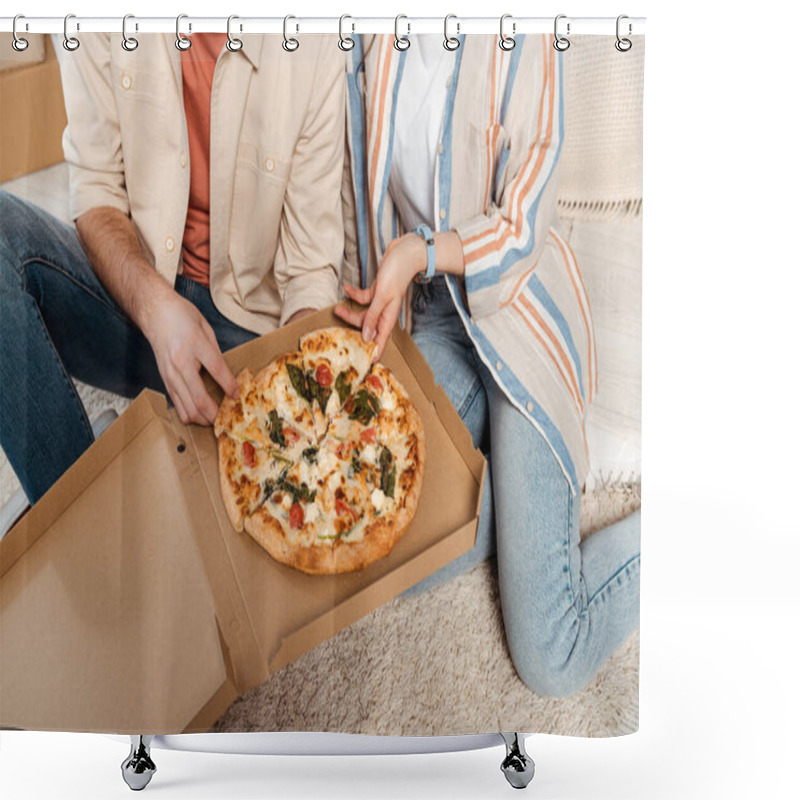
{"x": 425, "y": 232}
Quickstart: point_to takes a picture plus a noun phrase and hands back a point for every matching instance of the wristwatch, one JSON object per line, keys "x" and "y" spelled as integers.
{"x": 425, "y": 232}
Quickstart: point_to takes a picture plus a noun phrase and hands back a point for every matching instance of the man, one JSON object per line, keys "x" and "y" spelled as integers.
{"x": 205, "y": 188}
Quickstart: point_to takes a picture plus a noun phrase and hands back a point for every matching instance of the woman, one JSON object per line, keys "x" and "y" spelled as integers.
{"x": 466, "y": 144}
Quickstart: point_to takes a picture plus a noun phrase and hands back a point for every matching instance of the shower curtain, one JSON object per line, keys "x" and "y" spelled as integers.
{"x": 164, "y": 202}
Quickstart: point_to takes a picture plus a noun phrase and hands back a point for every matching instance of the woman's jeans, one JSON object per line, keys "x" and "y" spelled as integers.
{"x": 57, "y": 322}
{"x": 566, "y": 606}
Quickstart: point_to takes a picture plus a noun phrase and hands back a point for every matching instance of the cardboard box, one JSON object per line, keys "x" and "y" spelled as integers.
{"x": 129, "y": 604}
{"x": 32, "y": 114}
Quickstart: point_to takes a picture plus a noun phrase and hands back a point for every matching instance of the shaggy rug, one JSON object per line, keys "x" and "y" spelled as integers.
{"x": 431, "y": 664}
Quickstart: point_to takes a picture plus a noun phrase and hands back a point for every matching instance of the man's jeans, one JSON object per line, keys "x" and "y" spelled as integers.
{"x": 566, "y": 606}
{"x": 57, "y": 322}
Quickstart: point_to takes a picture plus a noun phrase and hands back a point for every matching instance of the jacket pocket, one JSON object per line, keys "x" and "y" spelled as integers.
{"x": 490, "y": 149}
{"x": 259, "y": 188}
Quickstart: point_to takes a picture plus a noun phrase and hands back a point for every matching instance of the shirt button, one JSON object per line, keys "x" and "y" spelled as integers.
{"x": 529, "y": 406}
{"x": 442, "y": 213}
{"x": 127, "y": 81}
{"x": 169, "y": 244}
{"x": 269, "y": 165}
{"x": 499, "y": 366}
{"x": 183, "y": 158}
{"x": 440, "y": 148}
{"x": 449, "y": 81}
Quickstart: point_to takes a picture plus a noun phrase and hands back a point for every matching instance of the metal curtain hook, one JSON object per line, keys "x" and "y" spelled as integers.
{"x": 451, "y": 42}
{"x": 70, "y": 43}
{"x": 401, "y": 43}
{"x": 290, "y": 44}
{"x": 19, "y": 44}
{"x": 623, "y": 45}
{"x": 561, "y": 43}
{"x": 233, "y": 44}
{"x": 128, "y": 42}
{"x": 507, "y": 42}
{"x": 346, "y": 42}
{"x": 182, "y": 42}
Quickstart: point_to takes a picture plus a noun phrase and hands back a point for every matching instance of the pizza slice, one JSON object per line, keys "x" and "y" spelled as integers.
{"x": 385, "y": 431}
{"x": 336, "y": 361}
{"x": 261, "y": 433}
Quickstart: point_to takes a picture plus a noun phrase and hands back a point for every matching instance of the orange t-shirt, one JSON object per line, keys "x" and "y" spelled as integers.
{"x": 198, "y": 63}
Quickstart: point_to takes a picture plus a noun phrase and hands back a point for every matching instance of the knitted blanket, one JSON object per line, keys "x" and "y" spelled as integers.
{"x": 601, "y": 164}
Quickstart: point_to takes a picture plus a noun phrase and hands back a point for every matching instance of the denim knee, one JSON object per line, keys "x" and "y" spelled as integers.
{"x": 550, "y": 660}
{"x": 551, "y": 677}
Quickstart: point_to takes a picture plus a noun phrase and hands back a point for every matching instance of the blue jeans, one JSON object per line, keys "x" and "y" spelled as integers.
{"x": 57, "y": 322}
{"x": 566, "y": 605}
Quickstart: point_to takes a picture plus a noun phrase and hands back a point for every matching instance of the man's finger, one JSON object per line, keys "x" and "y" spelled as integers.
{"x": 176, "y": 401}
{"x": 182, "y": 391}
{"x": 206, "y": 407}
{"x": 210, "y": 356}
{"x": 175, "y": 396}
{"x": 353, "y": 316}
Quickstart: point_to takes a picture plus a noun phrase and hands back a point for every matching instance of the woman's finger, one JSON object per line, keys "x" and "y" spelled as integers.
{"x": 370, "y": 324}
{"x": 354, "y": 316}
{"x": 362, "y": 296}
{"x": 385, "y": 325}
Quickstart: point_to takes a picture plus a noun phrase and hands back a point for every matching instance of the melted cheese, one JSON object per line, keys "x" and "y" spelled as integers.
{"x": 388, "y": 400}
{"x": 333, "y": 404}
{"x": 378, "y": 498}
{"x": 312, "y": 513}
{"x": 327, "y": 461}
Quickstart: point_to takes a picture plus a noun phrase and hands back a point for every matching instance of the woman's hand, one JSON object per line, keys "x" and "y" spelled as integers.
{"x": 404, "y": 258}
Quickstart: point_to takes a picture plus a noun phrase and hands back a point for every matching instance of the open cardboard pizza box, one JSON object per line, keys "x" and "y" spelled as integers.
{"x": 129, "y": 604}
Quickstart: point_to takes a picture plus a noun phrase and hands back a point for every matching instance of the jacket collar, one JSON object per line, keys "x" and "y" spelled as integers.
{"x": 251, "y": 51}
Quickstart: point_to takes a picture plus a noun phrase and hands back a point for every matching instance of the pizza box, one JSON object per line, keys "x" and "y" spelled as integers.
{"x": 128, "y": 603}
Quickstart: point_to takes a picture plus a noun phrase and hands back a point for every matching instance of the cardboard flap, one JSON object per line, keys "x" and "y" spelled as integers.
{"x": 105, "y": 609}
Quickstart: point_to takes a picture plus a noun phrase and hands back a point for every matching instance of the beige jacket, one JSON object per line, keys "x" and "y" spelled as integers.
{"x": 277, "y": 145}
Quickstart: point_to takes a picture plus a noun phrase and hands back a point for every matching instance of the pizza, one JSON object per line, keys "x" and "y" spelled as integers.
{"x": 322, "y": 455}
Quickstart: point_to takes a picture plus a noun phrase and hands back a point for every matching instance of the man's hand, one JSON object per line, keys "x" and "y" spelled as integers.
{"x": 181, "y": 338}
{"x": 183, "y": 341}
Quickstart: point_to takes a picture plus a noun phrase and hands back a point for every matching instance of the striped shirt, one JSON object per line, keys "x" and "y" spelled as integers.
{"x": 522, "y": 299}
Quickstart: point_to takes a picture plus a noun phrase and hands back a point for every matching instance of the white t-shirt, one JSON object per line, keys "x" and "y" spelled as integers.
{"x": 417, "y": 129}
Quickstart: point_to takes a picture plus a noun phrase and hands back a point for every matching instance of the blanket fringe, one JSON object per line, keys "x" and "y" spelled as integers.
{"x": 601, "y": 210}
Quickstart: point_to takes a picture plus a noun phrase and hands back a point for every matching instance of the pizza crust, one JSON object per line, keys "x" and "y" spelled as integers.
{"x": 231, "y": 497}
